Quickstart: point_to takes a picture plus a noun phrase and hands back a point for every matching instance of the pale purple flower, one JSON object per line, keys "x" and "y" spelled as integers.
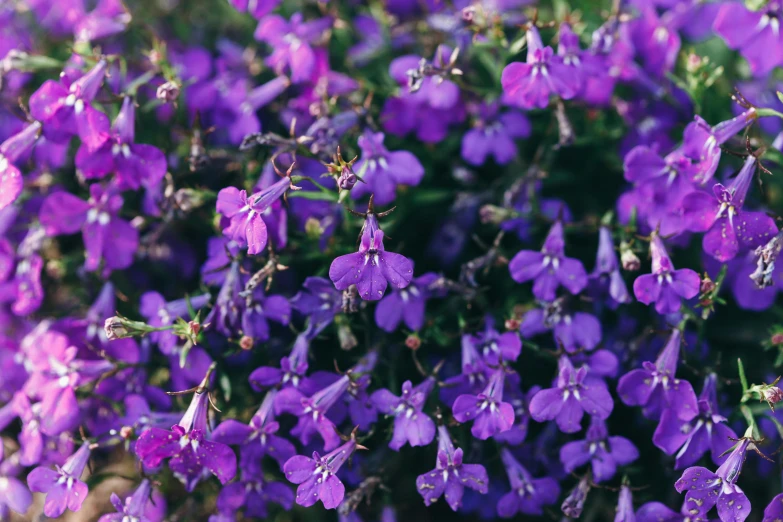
{"x": 528, "y": 495}
{"x": 63, "y": 488}
{"x": 490, "y": 415}
{"x": 411, "y": 425}
{"x": 573, "y": 331}
{"x": 406, "y": 305}
{"x": 317, "y": 476}
{"x": 606, "y": 276}
{"x": 665, "y": 286}
{"x": 11, "y": 151}
{"x": 383, "y": 170}
{"x": 604, "y": 453}
{"x": 493, "y": 345}
{"x": 625, "y": 506}
{"x": 493, "y": 134}
{"x": 755, "y": 34}
{"x": 137, "y": 507}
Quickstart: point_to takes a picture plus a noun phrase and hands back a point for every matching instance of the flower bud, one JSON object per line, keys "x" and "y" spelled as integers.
{"x": 575, "y": 501}
{"x": 313, "y": 228}
{"x": 777, "y": 338}
{"x": 765, "y": 264}
{"x": 168, "y": 92}
{"x": 707, "y": 285}
{"x": 346, "y": 337}
{"x": 126, "y": 432}
{"x": 772, "y": 395}
{"x": 246, "y": 342}
{"x": 492, "y": 214}
{"x": 115, "y": 329}
{"x": 513, "y": 324}
{"x": 188, "y": 199}
{"x": 469, "y": 14}
{"x": 628, "y": 259}
{"x": 413, "y": 342}
{"x": 347, "y": 179}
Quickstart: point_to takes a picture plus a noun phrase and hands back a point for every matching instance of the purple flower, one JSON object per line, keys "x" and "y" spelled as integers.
{"x": 135, "y": 164}
{"x": 657, "y": 512}
{"x": 529, "y": 85}
{"x": 188, "y": 446}
{"x": 528, "y": 496}
{"x": 450, "y": 476}
{"x": 549, "y": 267}
{"x": 256, "y": 8}
{"x": 14, "y": 494}
{"x": 606, "y": 275}
{"x": 697, "y": 432}
{"x": 292, "y": 367}
{"x": 245, "y": 225}
{"x": 136, "y": 508}
{"x": 161, "y": 313}
{"x": 371, "y": 268}
{"x": 253, "y": 493}
{"x": 12, "y": 150}
{"x": 603, "y": 452}
{"x": 256, "y": 439}
{"x": 774, "y": 510}
{"x": 572, "y": 396}
{"x": 665, "y": 286}
{"x": 574, "y": 331}
{"x": 382, "y": 170}
{"x": 66, "y": 110}
{"x": 493, "y": 134}
{"x": 655, "y": 40}
{"x": 291, "y": 43}
{"x": 756, "y": 34}
{"x": 63, "y": 488}
{"x": 704, "y": 488}
{"x": 106, "y": 237}
{"x": 494, "y": 346}
{"x": 728, "y": 227}
{"x": 406, "y": 305}
{"x": 625, "y": 506}
{"x": 520, "y": 401}
{"x": 471, "y": 379}
{"x": 317, "y": 476}
{"x": 411, "y": 425}
{"x": 490, "y": 415}
{"x": 656, "y": 388}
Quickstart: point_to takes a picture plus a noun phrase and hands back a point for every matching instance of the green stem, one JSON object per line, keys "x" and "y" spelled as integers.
{"x": 743, "y": 379}
{"x": 769, "y": 112}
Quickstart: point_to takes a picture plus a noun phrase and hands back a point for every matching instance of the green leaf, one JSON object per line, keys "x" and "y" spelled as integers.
{"x": 225, "y": 385}
{"x": 743, "y": 379}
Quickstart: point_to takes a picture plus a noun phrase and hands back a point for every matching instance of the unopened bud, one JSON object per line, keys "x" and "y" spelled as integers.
{"x": 707, "y": 285}
{"x": 313, "y": 228}
{"x": 469, "y": 14}
{"x": 575, "y": 501}
{"x": 765, "y": 264}
{"x": 347, "y": 179}
{"x": 346, "y": 337}
{"x": 168, "y": 92}
{"x": 492, "y": 214}
{"x": 413, "y": 342}
{"x": 777, "y": 338}
{"x": 246, "y": 342}
{"x": 115, "y": 329}
{"x": 513, "y": 324}
{"x": 772, "y": 395}
{"x": 126, "y": 432}
{"x": 188, "y": 199}
{"x": 628, "y": 259}
{"x": 694, "y": 62}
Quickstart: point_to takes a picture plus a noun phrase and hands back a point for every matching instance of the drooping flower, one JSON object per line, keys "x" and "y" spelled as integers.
{"x": 549, "y": 267}
{"x": 382, "y": 171}
{"x": 528, "y": 495}
{"x": 529, "y": 85}
{"x": 411, "y": 424}
{"x": 472, "y": 378}
{"x": 63, "y": 488}
{"x": 755, "y": 34}
{"x": 625, "y": 506}
{"x": 606, "y": 277}
{"x": 665, "y": 286}
{"x": 655, "y": 386}
{"x": 574, "y": 503}
{"x": 406, "y": 305}
{"x": 11, "y": 151}
{"x": 692, "y": 436}
{"x": 317, "y": 476}
{"x": 450, "y": 476}
{"x": 490, "y": 415}
{"x": 604, "y": 453}
{"x": 571, "y": 398}
{"x": 372, "y": 267}
{"x": 188, "y": 445}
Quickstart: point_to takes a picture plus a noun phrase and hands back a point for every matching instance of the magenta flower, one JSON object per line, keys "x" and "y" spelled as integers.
{"x": 106, "y": 237}
{"x": 755, "y": 34}
{"x": 317, "y": 476}
{"x": 572, "y": 397}
{"x": 12, "y": 150}
{"x": 411, "y": 425}
{"x": 528, "y": 495}
{"x": 450, "y": 475}
{"x": 665, "y": 286}
{"x": 382, "y": 171}
{"x": 63, "y": 488}
{"x": 604, "y": 453}
{"x": 188, "y": 446}
{"x": 656, "y": 388}
{"x": 529, "y": 85}
{"x": 549, "y": 267}
{"x": 372, "y": 267}
{"x": 490, "y": 415}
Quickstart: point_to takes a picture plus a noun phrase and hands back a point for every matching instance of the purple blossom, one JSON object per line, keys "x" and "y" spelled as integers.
{"x": 529, "y": 85}
{"x": 520, "y": 401}
{"x": 490, "y": 415}
{"x": 572, "y": 397}
{"x": 493, "y": 134}
{"x": 291, "y": 42}
{"x": 625, "y": 506}
{"x": 411, "y": 425}
{"x": 774, "y": 510}
{"x": 317, "y": 476}
{"x": 252, "y": 492}
{"x": 755, "y": 34}
{"x": 573, "y": 331}
{"x": 450, "y": 476}
{"x": 472, "y": 378}
{"x": 549, "y": 268}
{"x": 493, "y": 345}
{"x": 12, "y": 151}
{"x": 14, "y": 494}
{"x": 656, "y": 388}
{"x": 382, "y": 171}
{"x": 606, "y": 276}
{"x": 603, "y": 452}
{"x": 137, "y": 507}
{"x": 106, "y": 237}
{"x": 528, "y": 495}
{"x": 63, "y": 488}
{"x": 665, "y": 286}
{"x": 161, "y": 313}
{"x": 293, "y": 367}
{"x": 655, "y": 40}
{"x": 406, "y": 305}
{"x": 657, "y": 512}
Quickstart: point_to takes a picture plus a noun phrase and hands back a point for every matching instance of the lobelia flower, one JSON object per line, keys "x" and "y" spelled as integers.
{"x": 604, "y": 453}
{"x": 493, "y": 134}
{"x": 135, "y": 164}
{"x": 411, "y": 425}
{"x": 528, "y": 496}
{"x": 160, "y": 313}
{"x": 571, "y": 398}
{"x": 625, "y": 506}
{"x": 471, "y": 379}
{"x": 245, "y": 225}
{"x": 63, "y": 488}
{"x": 106, "y": 237}
{"x": 657, "y": 512}
{"x": 371, "y": 268}
{"x": 665, "y": 286}
{"x": 406, "y": 305}
{"x": 65, "y": 110}
{"x": 704, "y": 489}
{"x": 606, "y": 277}
{"x": 11, "y": 151}
{"x": 581, "y": 64}
{"x": 520, "y": 401}
{"x": 655, "y": 40}
{"x": 774, "y": 511}
{"x": 549, "y": 267}
{"x": 529, "y": 85}
{"x": 573, "y": 331}
{"x": 494, "y": 346}
{"x": 14, "y": 494}
{"x": 188, "y": 446}
{"x": 292, "y": 367}
{"x": 490, "y": 415}
{"x": 138, "y": 507}
{"x": 574, "y": 503}
{"x": 656, "y": 388}
{"x": 450, "y": 476}
{"x": 692, "y": 436}
{"x": 291, "y": 43}
{"x": 728, "y": 227}
{"x": 382, "y": 171}
{"x": 256, "y": 439}
{"x": 755, "y": 34}
{"x": 253, "y": 493}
